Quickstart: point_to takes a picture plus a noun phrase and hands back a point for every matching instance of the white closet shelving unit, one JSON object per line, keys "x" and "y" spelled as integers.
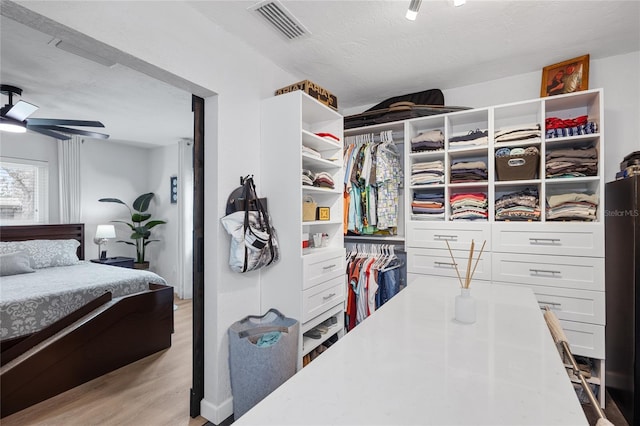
{"x": 307, "y": 284}
{"x": 562, "y": 262}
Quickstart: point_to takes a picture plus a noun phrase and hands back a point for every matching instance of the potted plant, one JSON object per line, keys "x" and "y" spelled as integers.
{"x": 140, "y": 225}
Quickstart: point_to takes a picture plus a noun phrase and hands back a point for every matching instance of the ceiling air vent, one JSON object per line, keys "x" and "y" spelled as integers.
{"x": 281, "y": 19}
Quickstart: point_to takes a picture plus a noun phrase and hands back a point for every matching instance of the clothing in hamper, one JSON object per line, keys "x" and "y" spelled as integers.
{"x": 519, "y": 205}
{"x": 468, "y": 171}
{"x": 469, "y": 206}
{"x": 572, "y": 206}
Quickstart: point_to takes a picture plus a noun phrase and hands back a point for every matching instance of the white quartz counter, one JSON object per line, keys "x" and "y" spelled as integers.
{"x": 411, "y": 363}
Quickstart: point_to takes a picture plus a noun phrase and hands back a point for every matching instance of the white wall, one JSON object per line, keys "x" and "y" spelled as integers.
{"x": 111, "y": 170}
{"x": 34, "y": 146}
{"x": 163, "y": 163}
{"x": 241, "y": 78}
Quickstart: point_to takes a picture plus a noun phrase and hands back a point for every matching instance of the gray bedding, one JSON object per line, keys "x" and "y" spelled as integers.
{"x": 30, "y": 302}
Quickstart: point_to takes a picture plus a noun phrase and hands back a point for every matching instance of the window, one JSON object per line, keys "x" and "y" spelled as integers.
{"x": 24, "y": 191}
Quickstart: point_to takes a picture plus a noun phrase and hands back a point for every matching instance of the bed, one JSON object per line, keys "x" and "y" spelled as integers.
{"x": 65, "y": 321}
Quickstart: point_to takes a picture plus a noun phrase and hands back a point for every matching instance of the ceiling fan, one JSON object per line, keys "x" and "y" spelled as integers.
{"x": 14, "y": 118}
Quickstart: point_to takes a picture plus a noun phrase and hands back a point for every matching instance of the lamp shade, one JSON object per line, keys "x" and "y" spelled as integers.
{"x": 106, "y": 231}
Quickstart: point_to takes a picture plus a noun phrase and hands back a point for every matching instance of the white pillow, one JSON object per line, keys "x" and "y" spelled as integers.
{"x": 14, "y": 264}
{"x": 44, "y": 253}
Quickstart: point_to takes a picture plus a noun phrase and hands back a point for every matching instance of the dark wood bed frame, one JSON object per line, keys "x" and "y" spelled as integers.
{"x": 104, "y": 335}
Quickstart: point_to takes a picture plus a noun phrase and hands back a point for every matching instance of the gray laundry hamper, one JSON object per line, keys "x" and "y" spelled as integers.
{"x": 257, "y": 371}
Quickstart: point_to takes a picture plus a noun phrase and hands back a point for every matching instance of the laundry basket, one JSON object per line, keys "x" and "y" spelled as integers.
{"x": 262, "y": 355}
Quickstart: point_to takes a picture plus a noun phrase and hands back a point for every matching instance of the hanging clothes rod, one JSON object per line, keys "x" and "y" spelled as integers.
{"x": 398, "y": 137}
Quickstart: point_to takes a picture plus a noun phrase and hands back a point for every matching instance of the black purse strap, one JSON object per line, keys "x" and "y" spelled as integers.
{"x": 249, "y": 194}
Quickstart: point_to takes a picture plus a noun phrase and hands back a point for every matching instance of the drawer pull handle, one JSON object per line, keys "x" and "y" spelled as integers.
{"x": 449, "y": 264}
{"x": 554, "y": 305}
{"x": 552, "y": 241}
{"x": 445, "y": 237}
{"x": 329, "y": 296}
{"x": 329, "y": 267}
{"x": 543, "y": 271}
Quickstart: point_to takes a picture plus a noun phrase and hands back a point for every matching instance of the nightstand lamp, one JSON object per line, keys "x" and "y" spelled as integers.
{"x": 103, "y": 234}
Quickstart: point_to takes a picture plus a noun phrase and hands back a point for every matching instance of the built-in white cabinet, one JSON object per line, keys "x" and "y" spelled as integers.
{"x": 308, "y": 283}
{"x": 561, "y": 258}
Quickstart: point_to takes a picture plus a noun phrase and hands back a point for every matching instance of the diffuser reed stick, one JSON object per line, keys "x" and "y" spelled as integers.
{"x": 469, "y": 273}
{"x": 455, "y": 265}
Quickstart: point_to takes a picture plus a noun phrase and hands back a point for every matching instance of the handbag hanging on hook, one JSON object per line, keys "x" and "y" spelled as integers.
{"x": 253, "y": 239}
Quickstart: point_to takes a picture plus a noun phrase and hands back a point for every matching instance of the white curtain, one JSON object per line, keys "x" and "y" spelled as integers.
{"x": 69, "y": 179}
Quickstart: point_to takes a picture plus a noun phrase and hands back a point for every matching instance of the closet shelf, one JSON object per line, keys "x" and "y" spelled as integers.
{"x": 428, "y": 186}
{"x": 571, "y": 180}
{"x": 523, "y": 182}
{"x": 322, "y": 222}
{"x": 427, "y": 154}
{"x": 318, "y": 189}
{"x": 525, "y": 142}
{"x": 318, "y": 143}
{"x": 309, "y": 161}
{"x": 572, "y": 139}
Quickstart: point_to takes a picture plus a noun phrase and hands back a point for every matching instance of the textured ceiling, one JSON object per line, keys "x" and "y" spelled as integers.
{"x": 362, "y": 51}
{"x": 366, "y": 51}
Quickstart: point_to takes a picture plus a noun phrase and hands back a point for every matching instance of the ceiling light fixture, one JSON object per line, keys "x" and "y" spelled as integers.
{"x": 458, "y": 3}
{"x": 11, "y": 125}
{"x": 412, "y": 13}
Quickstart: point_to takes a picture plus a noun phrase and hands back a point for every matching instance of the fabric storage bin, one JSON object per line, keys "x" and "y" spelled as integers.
{"x": 517, "y": 167}
{"x": 308, "y": 209}
{"x": 258, "y": 361}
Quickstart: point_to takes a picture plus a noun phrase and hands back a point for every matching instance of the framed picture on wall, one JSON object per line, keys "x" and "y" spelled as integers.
{"x": 565, "y": 77}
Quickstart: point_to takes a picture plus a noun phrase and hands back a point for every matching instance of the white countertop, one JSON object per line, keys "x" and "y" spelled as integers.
{"x": 411, "y": 363}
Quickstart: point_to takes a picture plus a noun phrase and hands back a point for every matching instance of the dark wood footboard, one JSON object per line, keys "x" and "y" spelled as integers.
{"x": 115, "y": 334}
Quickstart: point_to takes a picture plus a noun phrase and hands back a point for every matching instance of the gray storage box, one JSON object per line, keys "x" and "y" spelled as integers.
{"x": 258, "y": 370}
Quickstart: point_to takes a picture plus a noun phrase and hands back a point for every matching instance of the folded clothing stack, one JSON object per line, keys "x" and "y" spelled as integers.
{"x": 572, "y": 206}
{"x": 531, "y": 133}
{"x": 474, "y": 137}
{"x": 470, "y": 171}
{"x": 557, "y": 128}
{"x": 308, "y": 177}
{"x": 470, "y": 206}
{"x": 431, "y": 140}
{"x": 311, "y": 152}
{"x": 572, "y": 162}
{"x": 323, "y": 180}
{"x": 428, "y": 173}
{"x": 520, "y": 205}
{"x": 427, "y": 205}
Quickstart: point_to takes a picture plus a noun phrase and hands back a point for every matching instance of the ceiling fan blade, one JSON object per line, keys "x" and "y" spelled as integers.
{"x": 62, "y": 122}
{"x": 69, "y": 130}
{"x": 50, "y": 133}
{"x": 21, "y": 110}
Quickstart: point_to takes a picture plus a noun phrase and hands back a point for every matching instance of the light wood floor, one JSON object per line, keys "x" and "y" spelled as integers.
{"x": 151, "y": 392}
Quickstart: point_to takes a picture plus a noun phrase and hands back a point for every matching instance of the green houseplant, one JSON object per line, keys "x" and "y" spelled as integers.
{"x": 140, "y": 224}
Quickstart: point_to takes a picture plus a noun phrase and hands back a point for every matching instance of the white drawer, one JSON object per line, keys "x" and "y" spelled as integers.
{"x": 458, "y": 235}
{"x": 319, "y": 298}
{"x": 439, "y": 262}
{"x": 572, "y": 304}
{"x": 564, "y": 239}
{"x": 585, "y": 339}
{"x": 320, "y": 267}
{"x": 583, "y": 273}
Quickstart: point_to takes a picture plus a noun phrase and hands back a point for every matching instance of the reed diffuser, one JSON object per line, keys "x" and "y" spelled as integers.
{"x": 465, "y": 305}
